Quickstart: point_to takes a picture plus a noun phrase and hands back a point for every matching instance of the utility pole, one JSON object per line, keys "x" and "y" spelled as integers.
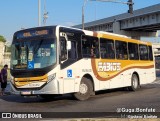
{"x": 130, "y": 4}
{"x": 85, "y": 1}
{"x": 39, "y": 12}
{"x": 45, "y": 15}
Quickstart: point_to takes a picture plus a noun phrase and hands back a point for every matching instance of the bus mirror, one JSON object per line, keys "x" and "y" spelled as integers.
{"x": 62, "y": 34}
{"x": 68, "y": 45}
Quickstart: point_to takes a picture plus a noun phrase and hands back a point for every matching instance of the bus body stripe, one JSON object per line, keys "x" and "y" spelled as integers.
{"x": 31, "y": 78}
{"x": 108, "y": 78}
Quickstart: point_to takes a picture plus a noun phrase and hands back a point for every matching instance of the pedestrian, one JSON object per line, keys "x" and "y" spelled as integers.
{"x": 3, "y": 77}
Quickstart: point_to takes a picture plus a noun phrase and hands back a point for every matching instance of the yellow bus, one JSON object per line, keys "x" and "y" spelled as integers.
{"x": 52, "y": 60}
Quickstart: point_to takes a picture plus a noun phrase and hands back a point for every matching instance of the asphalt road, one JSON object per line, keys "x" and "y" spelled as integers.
{"x": 146, "y": 98}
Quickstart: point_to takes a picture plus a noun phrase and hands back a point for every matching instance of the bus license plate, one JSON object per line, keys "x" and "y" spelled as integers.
{"x": 26, "y": 93}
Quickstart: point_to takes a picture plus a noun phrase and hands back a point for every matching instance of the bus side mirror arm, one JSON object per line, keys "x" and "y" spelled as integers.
{"x": 62, "y": 34}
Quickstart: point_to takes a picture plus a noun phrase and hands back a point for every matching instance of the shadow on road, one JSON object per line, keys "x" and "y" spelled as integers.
{"x": 66, "y": 97}
{"x": 33, "y": 99}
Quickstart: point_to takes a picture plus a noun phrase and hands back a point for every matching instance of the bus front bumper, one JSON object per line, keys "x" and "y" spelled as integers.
{"x": 49, "y": 88}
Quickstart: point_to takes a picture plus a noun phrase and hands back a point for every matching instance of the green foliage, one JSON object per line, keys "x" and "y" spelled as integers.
{"x": 2, "y": 39}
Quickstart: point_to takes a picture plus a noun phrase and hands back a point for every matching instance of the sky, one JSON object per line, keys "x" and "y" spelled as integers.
{"x": 18, "y": 14}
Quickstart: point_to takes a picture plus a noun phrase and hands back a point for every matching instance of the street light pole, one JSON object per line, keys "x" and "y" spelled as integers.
{"x": 130, "y": 3}
{"x": 39, "y": 12}
{"x": 85, "y": 1}
{"x": 113, "y": 1}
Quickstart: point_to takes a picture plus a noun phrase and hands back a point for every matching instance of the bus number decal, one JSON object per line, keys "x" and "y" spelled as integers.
{"x": 107, "y": 66}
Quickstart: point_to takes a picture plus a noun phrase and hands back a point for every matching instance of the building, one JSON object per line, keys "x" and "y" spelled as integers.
{"x": 2, "y": 49}
{"x": 143, "y": 22}
{"x": 4, "y": 56}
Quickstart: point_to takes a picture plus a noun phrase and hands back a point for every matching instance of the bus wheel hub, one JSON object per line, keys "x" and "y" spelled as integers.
{"x": 83, "y": 88}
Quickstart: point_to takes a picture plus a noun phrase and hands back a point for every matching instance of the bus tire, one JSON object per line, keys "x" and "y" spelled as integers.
{"x": 85, "y": 89}
{"x": 134, "y": 83}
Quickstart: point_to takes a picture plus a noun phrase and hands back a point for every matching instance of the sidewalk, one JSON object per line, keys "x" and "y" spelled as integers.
{"x": 8, "y": 89}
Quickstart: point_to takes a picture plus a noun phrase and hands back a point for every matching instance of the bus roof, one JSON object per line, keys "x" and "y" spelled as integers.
{"x": 103, "y": 32}
{"x": 86, "y": 32}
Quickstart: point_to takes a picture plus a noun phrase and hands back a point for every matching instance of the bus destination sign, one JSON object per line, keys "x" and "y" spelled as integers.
{"x": 32, "y": 33}
{"x": 35, "y": 33}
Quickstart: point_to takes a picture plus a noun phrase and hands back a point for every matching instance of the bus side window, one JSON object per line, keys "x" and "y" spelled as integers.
{"x": 150, "y": 52}
{"x": 107, "y": 48}
{"x": 72, "y": 54}
{"x": 143, "y": 52}
{"x": 133, "y": 51}
{"x": 90, "y": 47}
{"x": 63, "y": 45}
{"x": 121, "y": 50}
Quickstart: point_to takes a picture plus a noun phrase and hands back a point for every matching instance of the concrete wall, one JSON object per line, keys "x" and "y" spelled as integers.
{"x": 132, "y": 34}
{"x": 6, "y": 59}
{"x": 4, "y": 56}
{"x": 2, "y": 48}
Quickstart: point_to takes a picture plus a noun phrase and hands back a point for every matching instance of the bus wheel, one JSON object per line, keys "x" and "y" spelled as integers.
{"x": 85, "y": 89}
{"x": 134, "y": 83}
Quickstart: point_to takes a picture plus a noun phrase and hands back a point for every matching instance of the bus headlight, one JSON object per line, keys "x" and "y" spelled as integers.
{"x": 51, "y": 77}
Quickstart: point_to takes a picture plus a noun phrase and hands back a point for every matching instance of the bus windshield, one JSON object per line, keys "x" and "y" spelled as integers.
{"x": 33, "y": 54}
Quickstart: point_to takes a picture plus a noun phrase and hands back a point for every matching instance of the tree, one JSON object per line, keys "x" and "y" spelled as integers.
{"x": 2, "y": 39}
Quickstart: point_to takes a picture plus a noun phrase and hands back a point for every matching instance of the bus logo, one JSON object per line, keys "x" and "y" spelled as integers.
{"x": 106, "y": 66}
{"x": 69, "y": 73}
{"x": 6, "y": 115}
